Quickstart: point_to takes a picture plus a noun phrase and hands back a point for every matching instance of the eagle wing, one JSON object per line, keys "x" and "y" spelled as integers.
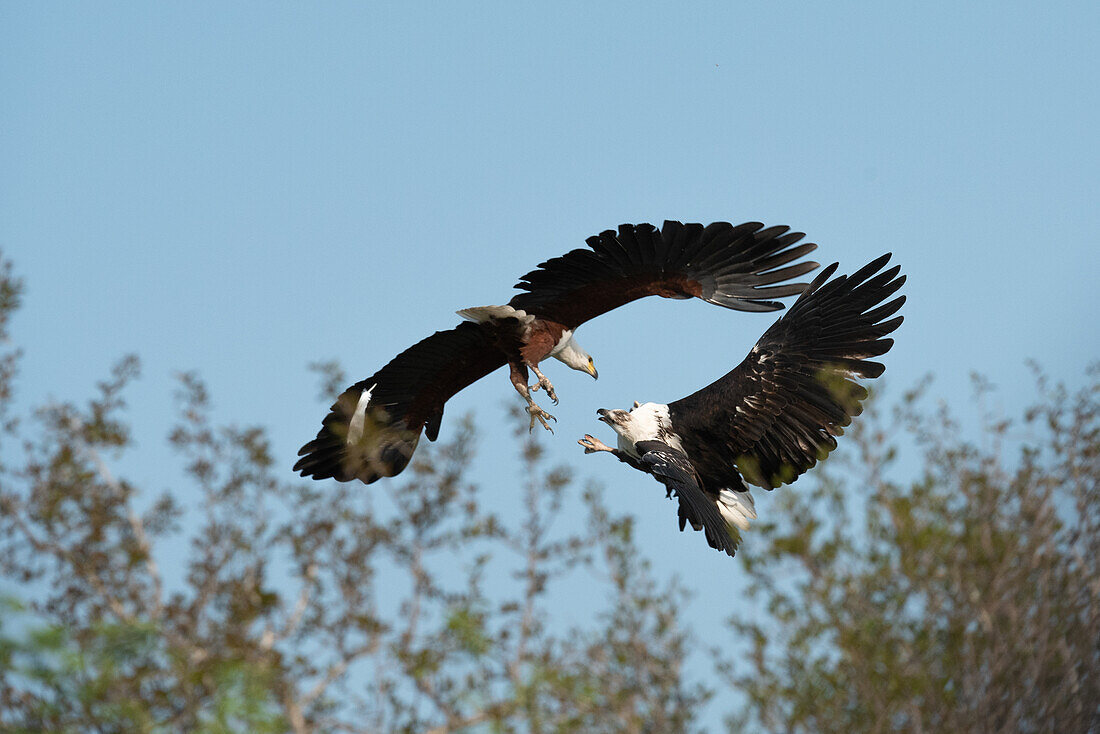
{"x": 374, "y": 426}
{"x": 732, "y": 266}
{"x": 674, "y": 470}
{"x": 778, "y": 412}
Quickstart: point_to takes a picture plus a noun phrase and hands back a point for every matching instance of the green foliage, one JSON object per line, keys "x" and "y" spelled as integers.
{"x": 468, "y": 629}
{"x": 300, "y": 606}
{"x": 966, "y": 599}
{"x": 919, "y": 580}
{"x": 55, "y": 680}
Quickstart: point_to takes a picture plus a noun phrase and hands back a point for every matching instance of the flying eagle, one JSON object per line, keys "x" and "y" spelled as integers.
{"x": 374, "y": 426}
{"x": 774, "y": 415}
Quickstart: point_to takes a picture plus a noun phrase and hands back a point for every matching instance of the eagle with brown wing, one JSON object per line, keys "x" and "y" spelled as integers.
{"x": 375, "y": 425}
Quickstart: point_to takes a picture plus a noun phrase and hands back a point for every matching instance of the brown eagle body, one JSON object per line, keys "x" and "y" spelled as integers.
{"x": 375, "y": 425}
{"x": 775, "y": 415}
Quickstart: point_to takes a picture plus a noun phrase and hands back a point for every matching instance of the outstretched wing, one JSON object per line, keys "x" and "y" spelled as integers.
{"x": 374, "y": 426}
{"x": 732, "y": 266}
{"x": 674, "y": 470}
{"x": 778, "y": 412}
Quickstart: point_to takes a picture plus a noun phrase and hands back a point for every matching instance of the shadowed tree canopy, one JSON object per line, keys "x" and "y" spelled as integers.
{"x": 934, "y": 575}
{"x": 943, "y": 576}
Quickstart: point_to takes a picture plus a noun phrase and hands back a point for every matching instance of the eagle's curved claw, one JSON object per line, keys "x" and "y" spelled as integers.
{"x": 592, "y": 444}
{"x": 545, "y": 384}
{"x": 540, "y": 415}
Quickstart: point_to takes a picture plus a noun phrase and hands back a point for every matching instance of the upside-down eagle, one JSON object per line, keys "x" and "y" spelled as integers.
{"x": 774, "y": 415}
{"x": 375, "y": 425}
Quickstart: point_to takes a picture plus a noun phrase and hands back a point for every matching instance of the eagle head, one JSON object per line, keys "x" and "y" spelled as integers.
{"x": 645, "y": 422}
{"x": 613, "y": 417}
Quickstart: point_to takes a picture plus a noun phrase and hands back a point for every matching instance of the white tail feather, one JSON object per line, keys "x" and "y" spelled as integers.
{"x": 359, "y": 417}
{"x": 737, "y": 508}
{"x": 481, "y": 314}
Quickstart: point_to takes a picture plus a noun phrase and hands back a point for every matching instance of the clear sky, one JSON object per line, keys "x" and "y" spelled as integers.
{"x": 244, "y": 188}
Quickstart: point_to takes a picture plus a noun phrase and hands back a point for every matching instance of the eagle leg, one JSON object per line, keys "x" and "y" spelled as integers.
{"x": 543, "y": 383}
{"x": 592, "y": 445}
{"x": 519, "y": 381}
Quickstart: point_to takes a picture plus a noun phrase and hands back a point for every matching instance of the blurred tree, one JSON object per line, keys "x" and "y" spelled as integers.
{"x": 305, "y": 606}
{"x": 966, "y": 600}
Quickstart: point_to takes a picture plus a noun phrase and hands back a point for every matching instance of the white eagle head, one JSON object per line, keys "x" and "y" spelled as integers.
{"x": 569, "y": 352}
{"x": 643, "y": 422}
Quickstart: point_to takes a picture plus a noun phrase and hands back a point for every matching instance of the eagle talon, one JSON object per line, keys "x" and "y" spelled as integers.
{"x": 592, "y": 444}
{"x": 544, "y": 383}
{"x": 540, "y": 415}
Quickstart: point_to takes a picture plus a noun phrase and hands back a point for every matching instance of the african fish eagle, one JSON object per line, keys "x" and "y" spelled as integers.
{"x": 774, "y": 415}
{"x": 375, "y": 425}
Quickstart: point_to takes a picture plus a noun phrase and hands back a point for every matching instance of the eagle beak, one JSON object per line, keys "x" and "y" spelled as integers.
{"x": 602, "y": 413}
{"x": 591, "y": 369}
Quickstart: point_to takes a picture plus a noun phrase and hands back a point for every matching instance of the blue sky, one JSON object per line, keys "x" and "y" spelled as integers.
{"x": 242, "y": 189}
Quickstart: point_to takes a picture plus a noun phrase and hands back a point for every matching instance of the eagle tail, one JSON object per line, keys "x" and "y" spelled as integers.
{"x": 358, "y": 440}
{"x": 737, "y": 507}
